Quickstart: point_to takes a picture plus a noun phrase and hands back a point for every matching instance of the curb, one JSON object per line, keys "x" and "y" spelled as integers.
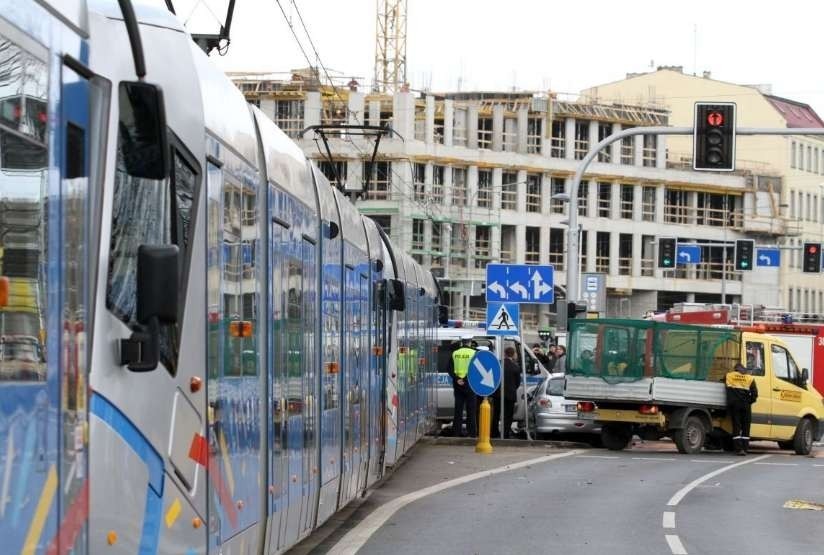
{"x": 468, "y": 441}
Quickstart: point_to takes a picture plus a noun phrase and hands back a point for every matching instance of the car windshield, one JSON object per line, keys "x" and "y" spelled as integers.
{"x": 556, "y": 387}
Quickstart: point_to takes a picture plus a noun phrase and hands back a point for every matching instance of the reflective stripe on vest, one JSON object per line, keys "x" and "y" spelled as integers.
{"x": 460, "y": 361}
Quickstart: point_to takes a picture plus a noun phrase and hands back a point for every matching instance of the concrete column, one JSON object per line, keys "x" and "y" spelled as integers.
{"x": 690, "y": 297}
{"x": 403, "y": 115}
{"x": 692, "y": 202}
{"x": 661, "y": 152}
{"x": 356, "y": 108}
{"x": 569, "y": 138}
{"x": 520, "y": 243}
{"x": 523, "y": 117}
{"x": 544, "y": 253}
{"x": 614, "y": 238}
{"x": 472, "y": 126}
{"x": 615, "y": 202}
{"x": 448, "y": 121}
{"x": 429, "y": 125}
{"x": 447, "y": 186}
{"x": 593, "y": 135}
{"x": 374, "y": 112}
{"x": 521, "y": 192}
{"x": 660, "y": 197}
{"x": 427, "y": 240}
{"x": 546, "y": 197}
{"x": 497, "y": 179}
{"x": 495, "y": 243}
{"x": 637, "y": 253}
{"x": 592, "y": 199}
{"x": 354, "y": 172}
{"x": 311, "y": 109}
{"x": 497, "y": 127}
{"x": 615, "y": 148}
{"x": 427, "y": 177}
{"x": 472, "y": 186}
{"x": 546, "y": 136}
{"x": 638, "y": 150}
{"x": 637, "y": 202}
{"x": 592, "y": 237}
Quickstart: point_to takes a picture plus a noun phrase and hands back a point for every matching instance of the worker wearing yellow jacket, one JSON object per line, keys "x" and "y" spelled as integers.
{"x": 459, "y": 370}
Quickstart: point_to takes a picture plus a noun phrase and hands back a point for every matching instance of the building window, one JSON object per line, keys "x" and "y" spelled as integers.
{"x": 417, "y": 235}
{"x": 583, "y": 198}
{"x": 627, "y": 198}
{"x": 815, "y": 162}
{"x": 676, "y": 206}
{"x": 533, "y": 193}
{"x": 507, "y": 244}
{"x": 509, "y": 191}
{"x": 437, "y": 184}
{"x": 484, "y": 188}
{"x": 556, "y": 248}
{"x": 627, "y": 149}
{"x": 334, "y": 112}
{"x": 380, "y": 180}
{"x": 420, "y": 121}
{"x": 484, "y": 133}
{"x": 419, "y": 179}
{"x": 384, "y": 222}
{"x": 625, "y": 254}
{"x": 289, "y": 116}
{"x": 650, "y": 150}
{"x": 510, "y": 135}
{"x": 604, "y": 131}
{"x": 439, "y": 129}
{"x": 809, "y": 158}
{"x": 483, "y": 255}
{"x": 792, "y": 154}
{"x": 534, "y": 133}
{"x": 582, "y": 246}
{"x": 792, "y": 204}
{"x": 459, "y": 127}
{"x": 558, "y": 187}
{"x": 334, "y": 171}
{"x": 800, "y": 164}
{"x": 558, "y": 140}
{"x": 647, "y": 255}
{"x": 648, "y": 204}
{"x": 533, "y": 245}
{"x": 459, "y": 186}
{"x": 581, "y": 139}
{"x": 602, "y": 251}
{"x": 458, "y": 245}
{"x": 604, "y": 200}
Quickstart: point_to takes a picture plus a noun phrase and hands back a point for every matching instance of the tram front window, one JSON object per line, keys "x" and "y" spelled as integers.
{"x": 23, "y": 182}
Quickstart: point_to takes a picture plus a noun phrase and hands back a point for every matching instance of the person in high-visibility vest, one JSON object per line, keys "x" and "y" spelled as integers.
{"x": 464, "y": 397}
{"x": 741, "y": 394}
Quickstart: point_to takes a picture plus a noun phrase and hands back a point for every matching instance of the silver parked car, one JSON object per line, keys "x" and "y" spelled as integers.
{"x": 550, "y": 413}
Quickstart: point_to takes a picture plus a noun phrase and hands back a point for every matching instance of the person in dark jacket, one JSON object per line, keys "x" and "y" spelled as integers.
{"x": 540, "y": 356}
{"x": 512, "y": 381}
{"x": 741, "y": 394}
{"x": 560, "y": 362}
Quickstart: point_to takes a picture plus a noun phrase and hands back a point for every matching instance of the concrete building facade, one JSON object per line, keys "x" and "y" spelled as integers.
{"x": 468, "y": 179}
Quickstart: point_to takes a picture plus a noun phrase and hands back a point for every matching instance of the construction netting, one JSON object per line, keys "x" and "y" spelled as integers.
{"x": 628, "y": 350}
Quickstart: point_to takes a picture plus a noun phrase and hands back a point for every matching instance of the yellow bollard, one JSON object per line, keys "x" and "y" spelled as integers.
{"x": 484, "y": 416}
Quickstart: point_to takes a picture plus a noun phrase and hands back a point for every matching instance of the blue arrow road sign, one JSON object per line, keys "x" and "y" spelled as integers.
{"x": 502, "y": 318}
{"x": 484, "y": 373}
{"x": 520, "y": 283}
{"x": 768, "y": 257}
{"x": 688, "y": 254}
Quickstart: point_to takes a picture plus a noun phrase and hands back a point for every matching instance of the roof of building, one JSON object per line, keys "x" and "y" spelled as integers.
{"x": 796, "y": 114}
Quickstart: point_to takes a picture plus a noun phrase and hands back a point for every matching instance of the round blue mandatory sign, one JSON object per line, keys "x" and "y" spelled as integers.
{"x": 484, "y": 373}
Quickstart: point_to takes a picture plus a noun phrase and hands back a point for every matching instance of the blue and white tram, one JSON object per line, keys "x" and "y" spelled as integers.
{"x": 203, "y": 346}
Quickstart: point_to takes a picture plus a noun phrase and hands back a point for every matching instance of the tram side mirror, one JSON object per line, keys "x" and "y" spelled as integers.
{"x": 143, "y": 140}
{"x": 805, "y": 377}
{"x": 397, "y": 295}
{"x": 157, "y": 303}
{"x": 443, "y": 314}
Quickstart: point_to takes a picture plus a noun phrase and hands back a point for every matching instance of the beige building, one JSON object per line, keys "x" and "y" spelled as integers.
{"x": 795, "y": 162}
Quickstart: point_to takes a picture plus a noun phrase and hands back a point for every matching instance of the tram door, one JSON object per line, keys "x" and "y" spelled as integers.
{"x": 364, "y": 364}
{"x": 351, "y": 413}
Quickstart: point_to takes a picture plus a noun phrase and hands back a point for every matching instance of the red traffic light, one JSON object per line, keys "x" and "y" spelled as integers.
{"x": 715, "y": 119}
{"x": 812, "y": 249}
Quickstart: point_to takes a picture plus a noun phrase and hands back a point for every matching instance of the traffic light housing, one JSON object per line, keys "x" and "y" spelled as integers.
{"x": 666, "y": 252}
{"x": 713, "y": 139}
{"x": 744, "y": 249}
{"x": 812, "y": 257}
{"x": 573, "y": 309}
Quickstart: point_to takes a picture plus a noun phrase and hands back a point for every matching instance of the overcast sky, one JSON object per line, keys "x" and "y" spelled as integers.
{"x": 537, "y": 44}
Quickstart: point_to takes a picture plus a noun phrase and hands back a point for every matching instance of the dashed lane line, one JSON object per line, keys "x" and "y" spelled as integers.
{"x": 680, "y": 494}
{"x": 713, "y": 461}
{"x": 360, "y": 534}
{"x": 777, "y": 464}
{"x": 596, "y": 457}
{"x": 675, "y": 545}
{"x": 669, "y": 519}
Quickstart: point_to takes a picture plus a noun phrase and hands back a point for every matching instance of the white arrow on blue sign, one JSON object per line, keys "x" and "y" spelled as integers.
{"x": 484, "y": 373}
{"x": 688, "y": 254}
{"x": 520, "y": 283}
{"x": 768, "y": 257}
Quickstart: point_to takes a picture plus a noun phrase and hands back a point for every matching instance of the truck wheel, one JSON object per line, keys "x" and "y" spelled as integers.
{"x": 690, "y": 439}
{"x": 803, "y": 439}
{"x": 615, "y": 436}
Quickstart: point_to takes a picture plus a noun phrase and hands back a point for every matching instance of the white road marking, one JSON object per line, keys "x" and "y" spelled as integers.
{"x": 680, "y": 494}
{"x": 778, "y": 464}
{"x": 596, "y": 457}
{"x": 675, "y": 545}
{"x": 651, "y": 459}
{"x": 818, "y": 465}
{"x": 669, "y": 519}
{"x": 360, "y": 534}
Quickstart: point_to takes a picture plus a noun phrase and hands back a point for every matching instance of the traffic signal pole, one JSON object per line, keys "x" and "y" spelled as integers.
{"x": 573, "y": 273}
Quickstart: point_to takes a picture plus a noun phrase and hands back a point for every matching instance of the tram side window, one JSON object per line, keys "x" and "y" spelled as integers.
{"x": 294, "y": 336}
{"x": 147, "y": 211}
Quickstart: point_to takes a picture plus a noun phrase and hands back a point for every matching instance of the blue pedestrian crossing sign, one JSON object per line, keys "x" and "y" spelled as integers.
{"x": 520, "y": 283}
{"x": 688, "y": 254}
{"x": 502, "y": 318}
{"x": 484, "y": 373}
{"x": 769, "y": 257}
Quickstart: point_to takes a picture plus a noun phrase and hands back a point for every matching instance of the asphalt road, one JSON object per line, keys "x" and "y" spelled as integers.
{"x": 648, "y": 500}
